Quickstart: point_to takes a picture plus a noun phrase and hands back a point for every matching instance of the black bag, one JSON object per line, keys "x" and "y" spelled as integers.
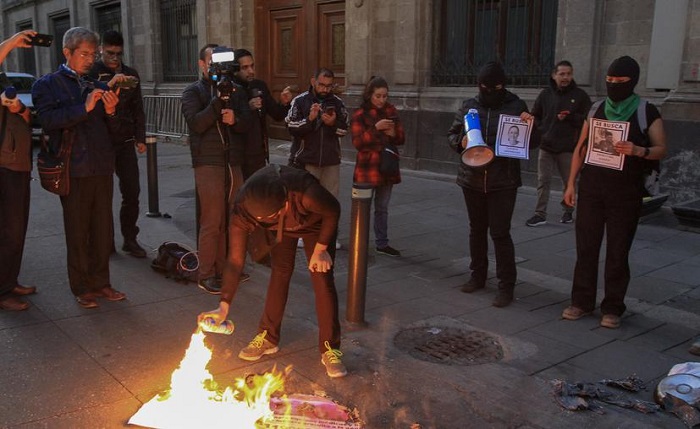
{"x": 389, "y": 160}
{"x": 260, "y": 242}
{"x": 54, "y": 168}
{"x": 176, "y": 262}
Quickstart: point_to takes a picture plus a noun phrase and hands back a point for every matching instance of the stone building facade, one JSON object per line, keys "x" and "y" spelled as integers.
{"x": 399, "y": 39}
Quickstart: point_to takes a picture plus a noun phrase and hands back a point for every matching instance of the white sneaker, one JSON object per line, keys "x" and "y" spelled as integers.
{"x": 300, "y": 243}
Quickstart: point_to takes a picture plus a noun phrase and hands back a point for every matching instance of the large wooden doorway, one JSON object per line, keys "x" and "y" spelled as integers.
{"x": 292, "y": 39}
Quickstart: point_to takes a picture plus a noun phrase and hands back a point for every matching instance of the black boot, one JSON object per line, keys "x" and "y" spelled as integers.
{"x": 132, "y": 247}
{"x": 504, "y": 296}
{"x": 473, "y": 285}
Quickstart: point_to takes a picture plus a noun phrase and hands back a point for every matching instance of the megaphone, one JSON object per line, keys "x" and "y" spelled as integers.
{"x": 476, "y": 153}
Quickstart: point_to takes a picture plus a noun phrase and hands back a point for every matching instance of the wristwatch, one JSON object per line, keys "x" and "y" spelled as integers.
{"x": 646, "y": 152}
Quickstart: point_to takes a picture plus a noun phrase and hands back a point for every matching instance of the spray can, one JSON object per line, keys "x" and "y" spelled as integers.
{"x": 209, "y": 325}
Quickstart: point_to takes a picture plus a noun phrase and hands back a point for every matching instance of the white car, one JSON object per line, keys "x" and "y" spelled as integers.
{"x": 23, "y": 84}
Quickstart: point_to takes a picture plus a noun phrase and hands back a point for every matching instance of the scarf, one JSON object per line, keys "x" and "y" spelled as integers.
{"x": 622, "y": 110}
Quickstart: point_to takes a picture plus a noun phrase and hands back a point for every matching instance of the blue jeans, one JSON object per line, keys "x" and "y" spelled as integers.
{"x": 382, "y": 195}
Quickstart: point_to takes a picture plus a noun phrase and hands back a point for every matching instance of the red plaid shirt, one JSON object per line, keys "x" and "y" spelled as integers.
{"x": 369, "y": 142}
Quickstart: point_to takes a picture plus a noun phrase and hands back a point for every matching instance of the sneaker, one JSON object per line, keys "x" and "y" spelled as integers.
{"x": 566, "y": 218}
{"x": 331, "y": 360}
{"x": 132, "y": 247}
{"x": 210, "y": 285}
{"x": 610, "y": 321}
{"x": 389, "y": 251}
{"x": 472, "y": 285}
{"x": 536, "y": 220}
{"x": 300, "y": 243}
{"x": 574, "y": 313}
{"x": 257, "y": 348}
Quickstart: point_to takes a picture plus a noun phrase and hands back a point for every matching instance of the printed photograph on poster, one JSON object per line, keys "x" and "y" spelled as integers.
{"x": 513, "y": 138}
{"x": 601, "y": 138}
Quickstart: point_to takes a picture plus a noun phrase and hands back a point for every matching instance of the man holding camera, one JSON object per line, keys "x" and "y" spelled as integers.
{"x": 15, "y": 176}
{"x": 317, "y": 119}
{"x": 559, "y": 112}
{"x": 218, "y": 117}
{"x": 262, "y": 104}
{"x": 110, "y": 68}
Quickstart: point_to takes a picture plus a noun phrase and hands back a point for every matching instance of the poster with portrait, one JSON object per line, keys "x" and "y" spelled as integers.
{"x": 601, "y": 139}
{"x": 513, "y": 138}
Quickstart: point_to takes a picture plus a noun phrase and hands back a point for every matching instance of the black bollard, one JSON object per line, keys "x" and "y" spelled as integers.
{"x": 357, "y": 260}
{"x": 152, "y": 169}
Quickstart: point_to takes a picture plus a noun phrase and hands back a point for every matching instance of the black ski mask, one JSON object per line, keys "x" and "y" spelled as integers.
{"x": 490, "y": 76}
{"x": 622, "y": 67}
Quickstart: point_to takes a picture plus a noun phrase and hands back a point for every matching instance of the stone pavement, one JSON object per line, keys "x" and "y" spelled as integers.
{"x": 66, "y": 367}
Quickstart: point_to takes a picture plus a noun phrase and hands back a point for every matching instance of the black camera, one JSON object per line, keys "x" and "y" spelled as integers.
{"x": 222, "y": 69}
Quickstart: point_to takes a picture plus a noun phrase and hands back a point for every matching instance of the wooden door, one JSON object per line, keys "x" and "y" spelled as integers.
{"x": 292, "y": 39}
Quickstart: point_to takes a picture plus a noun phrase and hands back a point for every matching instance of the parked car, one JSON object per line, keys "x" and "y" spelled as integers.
{"x": 23, "y": 84}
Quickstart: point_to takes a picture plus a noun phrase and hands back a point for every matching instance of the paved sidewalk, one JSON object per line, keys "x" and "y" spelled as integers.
{"x": 66, "y": 367}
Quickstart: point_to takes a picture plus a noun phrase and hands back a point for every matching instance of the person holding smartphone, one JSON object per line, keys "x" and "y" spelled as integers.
{"x": 374, "y": 126}
{"x": 559, "y": 112}
{"x": 110, "y": 68}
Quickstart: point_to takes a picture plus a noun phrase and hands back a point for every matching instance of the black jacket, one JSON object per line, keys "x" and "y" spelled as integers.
{"x": 315, "y": 143}
{"x": 59, "y": 99}
{"x": 560, "y": 136}
{"x": 502, "y": 173}
{"x": 202, "y": 112}
{"x": 130, "y": 107}
{"x": 256, "y": 145}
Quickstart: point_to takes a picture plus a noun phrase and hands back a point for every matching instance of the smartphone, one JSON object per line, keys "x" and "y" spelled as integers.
{"x": 329, "y": 110}
{"x": 393, "y": 118}
{"x": 128, "y": 83}
{"x": 44, "y": 40}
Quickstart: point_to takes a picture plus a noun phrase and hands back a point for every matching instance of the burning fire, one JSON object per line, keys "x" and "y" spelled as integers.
{"x": 195, "y": 400}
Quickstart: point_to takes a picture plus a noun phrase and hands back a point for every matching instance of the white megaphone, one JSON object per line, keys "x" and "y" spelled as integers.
{"x": 476, "y": 153}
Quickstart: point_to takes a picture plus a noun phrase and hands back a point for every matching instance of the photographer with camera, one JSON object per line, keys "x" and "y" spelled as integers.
{"x": 317, "y": 120}
{"x": 79, "y": 111}
{"x": 218, "y": 117}
{"x": 260, "y": 100}
{"x": 110, "y": 68}
{"x": 15, "y": 176}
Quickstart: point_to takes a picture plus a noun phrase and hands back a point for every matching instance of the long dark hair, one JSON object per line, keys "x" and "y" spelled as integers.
{"x": 374, "y": 83}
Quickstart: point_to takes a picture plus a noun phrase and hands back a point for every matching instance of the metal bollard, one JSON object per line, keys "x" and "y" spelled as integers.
{"x": 357, "y": 260}
{"x": 152, "y": 169}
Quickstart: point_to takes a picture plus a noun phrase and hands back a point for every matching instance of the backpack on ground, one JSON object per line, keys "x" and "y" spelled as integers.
{"x": 177, "y": 262}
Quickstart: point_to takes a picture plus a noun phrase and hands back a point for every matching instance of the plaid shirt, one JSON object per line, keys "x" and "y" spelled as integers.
{"x": 369, "y": 142}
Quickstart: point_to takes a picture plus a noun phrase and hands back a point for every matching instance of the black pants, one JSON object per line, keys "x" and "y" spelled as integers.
{"x": 87, "y": 220}
{"x": 491, "y": 211}
{"x": 613, "y": 208}
{"x": 127, "y": 169}
{"x": 283, "y": 257}
{"x": 14, "y": 216}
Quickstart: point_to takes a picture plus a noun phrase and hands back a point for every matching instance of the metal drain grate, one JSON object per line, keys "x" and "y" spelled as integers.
{"x": 449, "y": 346}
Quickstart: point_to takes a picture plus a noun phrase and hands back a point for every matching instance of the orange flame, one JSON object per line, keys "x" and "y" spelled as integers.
{"x": 194, "y": 399}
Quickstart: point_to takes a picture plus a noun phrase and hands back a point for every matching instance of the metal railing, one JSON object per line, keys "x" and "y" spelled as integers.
{"x": 164, "y": 116}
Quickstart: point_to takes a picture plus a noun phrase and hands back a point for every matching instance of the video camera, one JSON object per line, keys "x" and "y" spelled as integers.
{"x": 222, "y": 69}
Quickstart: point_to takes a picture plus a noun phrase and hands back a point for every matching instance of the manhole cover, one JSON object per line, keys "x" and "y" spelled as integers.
{"x": 450, "y": 346}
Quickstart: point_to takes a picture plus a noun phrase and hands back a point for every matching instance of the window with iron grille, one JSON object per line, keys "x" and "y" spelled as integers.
{"x": 108, "y": 18}
{"x": 59, "y": 25}
{"x": 520, "y": 34}
{"x": 178, "y": 20}
{"x": 27, "y": 62}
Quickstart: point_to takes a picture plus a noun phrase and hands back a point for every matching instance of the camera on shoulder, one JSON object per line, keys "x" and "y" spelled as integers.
{"x": 222, "y": 69}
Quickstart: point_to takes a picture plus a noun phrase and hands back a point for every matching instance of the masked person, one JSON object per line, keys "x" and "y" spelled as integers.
{"x": 610, "y": 201}
{"x": 110, "y": 68}
{"x": 489, "y": 191}
{"x": 292, "y": 204}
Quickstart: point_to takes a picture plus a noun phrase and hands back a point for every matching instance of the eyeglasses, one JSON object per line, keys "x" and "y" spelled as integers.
{"x": 113, "y": 54}
{"x": 87, "y": 55}
{"x": 325, "y": 85}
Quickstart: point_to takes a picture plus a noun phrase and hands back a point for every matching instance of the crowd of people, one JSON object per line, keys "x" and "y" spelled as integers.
{"x": 95, "y": 99}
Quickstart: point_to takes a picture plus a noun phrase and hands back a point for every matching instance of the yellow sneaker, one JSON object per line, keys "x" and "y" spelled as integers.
{"x": 331, "y": 360}
{"x": 257, "y": 348}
